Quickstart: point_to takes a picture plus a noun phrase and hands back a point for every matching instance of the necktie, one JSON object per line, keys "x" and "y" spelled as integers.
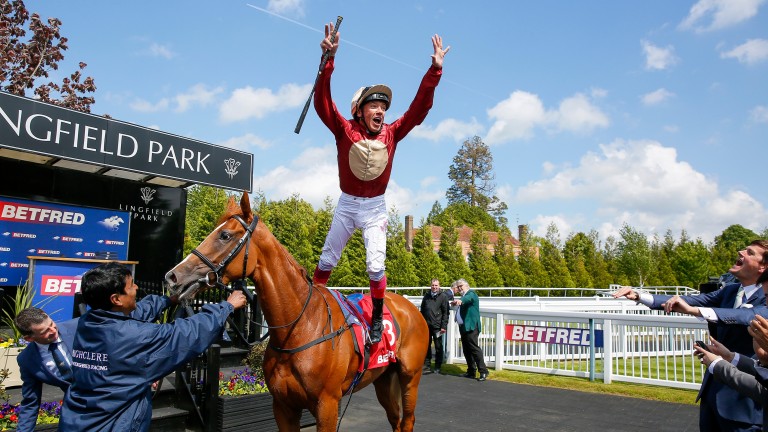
{"x": 62, "y": 364}
{"x": 739, "y": 297}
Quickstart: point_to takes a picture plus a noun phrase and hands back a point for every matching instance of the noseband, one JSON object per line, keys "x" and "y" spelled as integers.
{"x": 213, "y": 277}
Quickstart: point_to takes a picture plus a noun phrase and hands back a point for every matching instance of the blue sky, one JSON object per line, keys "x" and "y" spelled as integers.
{"x": 598, "y": 113}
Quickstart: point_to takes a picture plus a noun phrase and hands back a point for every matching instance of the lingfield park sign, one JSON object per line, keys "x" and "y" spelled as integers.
{"x": 31, "y": 126}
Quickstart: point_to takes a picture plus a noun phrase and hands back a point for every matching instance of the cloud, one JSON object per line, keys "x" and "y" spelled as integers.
{"x": 315, "y": 166}
{"x": 750, "y": 52}
{"x": 287, "y": 7}
{"x": 642, "y": 183}
{"x": 144, "y": 106}
{"x": 759, "y": 114}
{"x": 518, "y": 116}
{"x": 658, "y": 58}
{"x": 577, "y": 114}
{"x": 656, "y": 97}
{"x": 247, "y": 143}
{"x": 249, "y": 102}
{"x": 158, "y": 50}
{"x": 448, "y": 128}
{"x": 199, "y": 95}
{"x": 710, "y": 15}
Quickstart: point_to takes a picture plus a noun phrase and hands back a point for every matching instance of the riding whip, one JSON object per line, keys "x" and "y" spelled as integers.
{"x": 326, "y": 55}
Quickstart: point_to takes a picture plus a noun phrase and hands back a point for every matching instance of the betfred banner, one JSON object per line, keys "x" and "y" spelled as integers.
{"x": 30, "y": 228}
{"x": 55, "y": 284}
{"x": 552, "y": 335}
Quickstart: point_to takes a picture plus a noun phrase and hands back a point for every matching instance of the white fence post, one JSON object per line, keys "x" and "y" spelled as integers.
{"x": 500, "y": 333}
{"x": 607, "y": 351}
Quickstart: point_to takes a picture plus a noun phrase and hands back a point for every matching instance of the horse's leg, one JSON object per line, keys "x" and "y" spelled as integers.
{"x": 327, "y": 414}
{"x": 409, "y": 385}
{"x": 388, "y": 393}
{"x": 288, "y": 419}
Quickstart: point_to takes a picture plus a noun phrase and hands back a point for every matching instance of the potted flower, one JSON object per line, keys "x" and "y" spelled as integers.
{"x": 244, "y": 399}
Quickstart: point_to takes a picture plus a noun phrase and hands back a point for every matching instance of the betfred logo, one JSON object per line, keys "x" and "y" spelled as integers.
{"x": 60, "y": 285}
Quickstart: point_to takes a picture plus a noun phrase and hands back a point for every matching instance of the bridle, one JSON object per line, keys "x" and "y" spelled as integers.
{"x": 213, "y": 277}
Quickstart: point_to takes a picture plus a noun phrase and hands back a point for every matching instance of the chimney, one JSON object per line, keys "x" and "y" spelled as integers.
{"x": 522, "y": 232}
{"x": 409, "y": 233}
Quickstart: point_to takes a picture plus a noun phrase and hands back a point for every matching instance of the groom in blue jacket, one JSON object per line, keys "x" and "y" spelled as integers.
{"x": 731, "y": 309}
{"x": 117, "y": 356}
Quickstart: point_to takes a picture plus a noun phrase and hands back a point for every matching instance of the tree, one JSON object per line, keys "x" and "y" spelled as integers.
{"x": 485, "y": 272}
{"x": 324, "y": 217}
{"x": 634, "y": 255}
{"x": 205, "y": 205}
{"x": 727, "y": 245}
{"x": 473, "y": 179}
{"x": 509, "y": 268}
{"x": 24, "y": 59}
{"x": 427, "y": 262}
{"x": 351, "y": 270}
{"x": 293, "y": 222}
{"x": 690, "y": 261}
{"x": 400, "y": 269}
{"x": 451, "y": 255}
{"x": 535, "y": 274}
{"x": 462, "y": 213}
{"x": 434, "y": 212}
{"x": 553, "y": 261}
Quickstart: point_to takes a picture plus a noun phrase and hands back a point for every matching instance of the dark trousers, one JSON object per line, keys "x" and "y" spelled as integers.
{"x": 472, "y": 352}
{"x": 436, "y": 337}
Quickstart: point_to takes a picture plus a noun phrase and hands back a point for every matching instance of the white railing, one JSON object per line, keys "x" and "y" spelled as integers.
{"x": 639, "y": 347}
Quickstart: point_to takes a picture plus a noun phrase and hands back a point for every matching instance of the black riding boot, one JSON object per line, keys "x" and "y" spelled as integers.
{"x": 378, "y": 306}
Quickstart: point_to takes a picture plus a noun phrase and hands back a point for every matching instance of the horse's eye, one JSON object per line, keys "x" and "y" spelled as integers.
{"x": 225, "y": 235}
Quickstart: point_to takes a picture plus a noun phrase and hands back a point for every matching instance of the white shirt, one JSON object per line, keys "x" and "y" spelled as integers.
{"x": 707, "y": 314}
{"x": 48, "y": 361}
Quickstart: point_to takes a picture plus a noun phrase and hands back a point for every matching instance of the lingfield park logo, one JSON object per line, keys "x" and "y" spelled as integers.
{"x": 231, "y": 165}
{"x": 147, "y": 194}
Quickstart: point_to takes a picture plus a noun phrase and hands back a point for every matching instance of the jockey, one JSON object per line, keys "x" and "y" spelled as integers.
{"x": 366, "y": 148}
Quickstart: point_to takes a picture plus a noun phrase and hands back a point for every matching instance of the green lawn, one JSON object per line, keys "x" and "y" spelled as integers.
{"x": 664, "y": 394}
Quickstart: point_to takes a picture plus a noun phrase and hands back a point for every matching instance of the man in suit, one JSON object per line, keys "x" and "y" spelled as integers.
{"x": 434, "y": 309}
{"x": 744, "y": 374}
{"x": 36, "y": 362}
{"x": 469, "y": 329}
{"x": 731, "y": 309}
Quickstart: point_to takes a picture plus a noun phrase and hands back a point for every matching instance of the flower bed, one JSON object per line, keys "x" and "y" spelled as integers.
{"x": 47, "y": 419}
{"x": 245, "y": 404}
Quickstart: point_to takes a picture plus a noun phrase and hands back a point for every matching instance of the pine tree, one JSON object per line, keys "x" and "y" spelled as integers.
{"x": 400, "y": 269}
{"x": 450, "y": 254}
{"x": 427, "y": 263}
{"x": 481, "y": 263}
{"x": 509, "y": 268}
{"x": 535, "y": 274}
{"x": 553, "y": 261}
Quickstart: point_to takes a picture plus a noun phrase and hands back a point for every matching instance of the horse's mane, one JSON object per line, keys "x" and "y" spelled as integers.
{"x": 233, "y": 210}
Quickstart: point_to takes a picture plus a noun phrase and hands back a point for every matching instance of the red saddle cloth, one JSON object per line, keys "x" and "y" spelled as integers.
{"x": 381, "y": 353}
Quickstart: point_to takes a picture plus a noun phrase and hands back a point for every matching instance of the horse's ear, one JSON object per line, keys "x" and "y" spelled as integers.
{"x": 245, "y": 206}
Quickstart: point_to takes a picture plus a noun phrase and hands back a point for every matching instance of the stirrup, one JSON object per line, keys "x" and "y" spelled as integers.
{"x": 375, "y": 334}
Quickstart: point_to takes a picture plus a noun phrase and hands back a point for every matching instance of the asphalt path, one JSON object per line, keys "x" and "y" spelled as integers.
{"x": 453, "y": 403}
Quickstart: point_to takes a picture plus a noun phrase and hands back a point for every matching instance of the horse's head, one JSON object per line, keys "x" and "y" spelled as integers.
{"x": 221, "y": 257}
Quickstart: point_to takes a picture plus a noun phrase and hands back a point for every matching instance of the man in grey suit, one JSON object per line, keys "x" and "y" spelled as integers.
{"x": 731, "y": 309}
{"x": 739, "y": 372}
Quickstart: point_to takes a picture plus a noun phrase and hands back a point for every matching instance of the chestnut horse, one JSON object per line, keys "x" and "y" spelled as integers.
{"x": 300, "y": 314}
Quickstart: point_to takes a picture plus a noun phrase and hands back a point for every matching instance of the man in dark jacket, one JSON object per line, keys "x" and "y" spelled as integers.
{"x": 116, "y": 356}
{"x": 434, "y": 308}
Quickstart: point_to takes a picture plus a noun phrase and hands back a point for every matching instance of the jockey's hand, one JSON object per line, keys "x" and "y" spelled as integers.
{"x": 442, "y": 331}
{"x": 237, "y": 299}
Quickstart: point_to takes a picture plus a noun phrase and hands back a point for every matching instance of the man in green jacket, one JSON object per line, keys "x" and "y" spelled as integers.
{"x": 469, "y": 329}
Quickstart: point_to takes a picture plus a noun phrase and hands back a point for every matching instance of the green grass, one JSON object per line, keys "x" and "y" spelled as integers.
{"x": 640, "y": 391}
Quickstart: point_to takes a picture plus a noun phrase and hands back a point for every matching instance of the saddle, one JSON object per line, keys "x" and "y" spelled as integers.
{"x": 357, "y": 313}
